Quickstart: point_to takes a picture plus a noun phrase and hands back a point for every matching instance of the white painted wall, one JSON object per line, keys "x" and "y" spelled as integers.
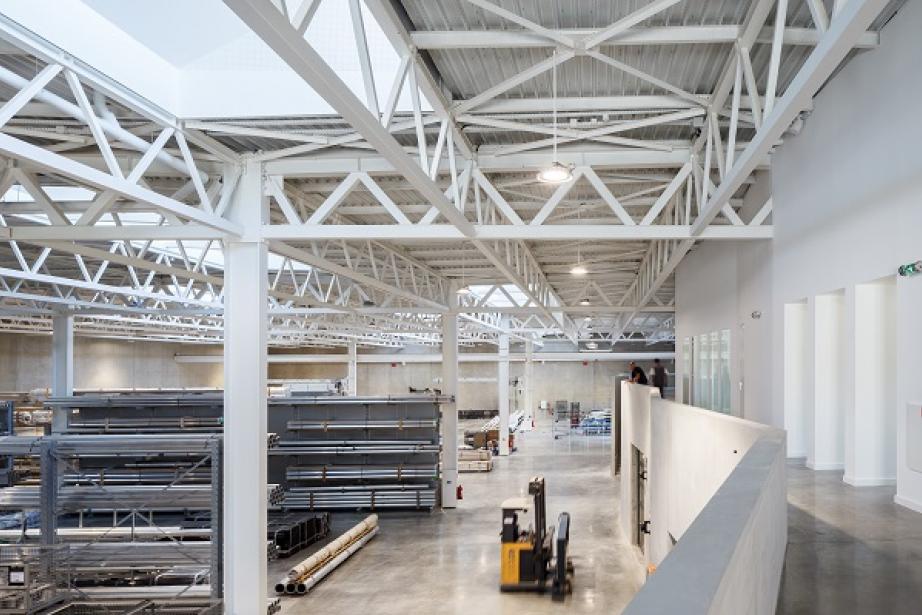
{"x": 798, "y": 383}
{"x": 847, "y": 194}
{"x": 717, "y": 485}
{"x": 847, "y": 210}
{"x": 871, "y": 424}
{"x": 720, "y": 285}
{"x": 831, "y": 386}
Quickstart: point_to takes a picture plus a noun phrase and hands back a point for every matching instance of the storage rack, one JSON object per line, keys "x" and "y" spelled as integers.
{"x": 350, "y": 453}
{"x": 332, "y": 452}
{"x": 142, "y": 543}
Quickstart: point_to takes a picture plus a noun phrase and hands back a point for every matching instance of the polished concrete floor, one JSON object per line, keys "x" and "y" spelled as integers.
{"x": 448, "y": 562}
{"x": 850, "y": 550}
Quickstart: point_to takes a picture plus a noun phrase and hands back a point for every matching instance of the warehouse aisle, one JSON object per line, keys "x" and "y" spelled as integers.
{"x": 449, "y": 562}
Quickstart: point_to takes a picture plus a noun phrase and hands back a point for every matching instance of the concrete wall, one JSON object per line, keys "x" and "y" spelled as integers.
{"x": 846, "y": 213}
{"x": 25, "y": 364}
{"x": 716, "y": 485}
{"x": 591, "y": 384}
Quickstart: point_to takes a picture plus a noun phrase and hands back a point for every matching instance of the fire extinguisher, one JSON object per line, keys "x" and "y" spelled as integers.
{"x": 459, "y": 492}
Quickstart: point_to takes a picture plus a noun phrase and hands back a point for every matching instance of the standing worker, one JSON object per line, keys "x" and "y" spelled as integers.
{"x": 637, "y": 374}
{"x": 659, "y": 377}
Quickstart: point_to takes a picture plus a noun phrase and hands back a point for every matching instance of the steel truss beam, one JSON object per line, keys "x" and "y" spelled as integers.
{"x": 661, "y": 35}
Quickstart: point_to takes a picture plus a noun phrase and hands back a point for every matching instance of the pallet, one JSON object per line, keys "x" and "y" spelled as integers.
{"x": 475, "y": 466}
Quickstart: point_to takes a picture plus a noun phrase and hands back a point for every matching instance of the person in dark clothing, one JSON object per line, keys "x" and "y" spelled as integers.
{"x": 637, "y": 374}
{"x": 659, "y": 377}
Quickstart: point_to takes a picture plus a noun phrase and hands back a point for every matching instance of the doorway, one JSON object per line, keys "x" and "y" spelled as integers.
{"x": 639, "y": 491}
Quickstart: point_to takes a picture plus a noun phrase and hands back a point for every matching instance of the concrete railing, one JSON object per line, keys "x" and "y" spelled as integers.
{"x": 715, "y": 499}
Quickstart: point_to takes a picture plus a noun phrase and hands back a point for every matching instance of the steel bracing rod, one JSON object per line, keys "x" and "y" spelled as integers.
{"x": 853, "y": 19}
{"x": 102, "y": 124}
{"x": 38, "y": 47}
{"x": 634, "y": 36}
{"x": 277, "y": 32}
{"x": 664, "y": 257}
{"x": 391, "y": 22}
{"x": 315, "y": 260}
{"x": 86, "y": 175}
{"x": 502, "y": 232}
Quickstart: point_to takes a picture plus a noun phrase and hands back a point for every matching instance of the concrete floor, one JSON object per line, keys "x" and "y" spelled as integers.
{"x": 448, "y": 562}
{"x": 850, "y": 550}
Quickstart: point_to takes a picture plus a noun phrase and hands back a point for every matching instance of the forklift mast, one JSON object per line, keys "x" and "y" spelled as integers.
{"x": 536, "y": 489}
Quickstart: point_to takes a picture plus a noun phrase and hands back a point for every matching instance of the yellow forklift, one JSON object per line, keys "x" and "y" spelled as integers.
{"x": 529, "y": 561}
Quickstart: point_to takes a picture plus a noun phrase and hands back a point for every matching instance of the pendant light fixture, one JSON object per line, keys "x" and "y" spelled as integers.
{"x": 556, "y": 173}
{"x": 464, "y": 290}
{"x": 579, "y": 269}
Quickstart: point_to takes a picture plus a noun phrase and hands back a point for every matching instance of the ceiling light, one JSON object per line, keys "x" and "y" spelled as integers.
{"x": 464, "y": 291}
{"x": 555, "y": 174}
{"x": 591, "y": 345}
{"x": 579, "y": 269}
{"x": 584, "y": 302}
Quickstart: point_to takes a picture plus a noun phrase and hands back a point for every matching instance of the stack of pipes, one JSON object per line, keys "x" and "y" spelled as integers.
{"x": 353, "y": 497}
{"x": 302, "y": 577}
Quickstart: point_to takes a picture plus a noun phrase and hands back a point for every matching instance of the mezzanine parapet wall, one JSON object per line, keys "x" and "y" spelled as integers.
{"x": 715, "y": 497}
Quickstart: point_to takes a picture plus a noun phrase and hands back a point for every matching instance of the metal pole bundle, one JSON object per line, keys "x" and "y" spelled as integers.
{"x": 302, "y": 577}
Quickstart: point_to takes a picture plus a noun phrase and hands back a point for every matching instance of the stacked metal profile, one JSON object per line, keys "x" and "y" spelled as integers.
{"x": 330, "y": 452}
{"x": 184, "y": 605}
{"x": 305, "y": 575}
{"x": 74, "y": 483}
{"x": 358, "y": 453}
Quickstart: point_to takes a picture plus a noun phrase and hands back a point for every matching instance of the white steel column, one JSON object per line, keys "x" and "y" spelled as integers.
{"x": 450, "y": 409}
{"x": 502, "y": 392}
{"x": 352, "y": 385}
{"x": 62, "y": 365}
{"x": 528, "y": 389}
{"x": 245, "y": 334}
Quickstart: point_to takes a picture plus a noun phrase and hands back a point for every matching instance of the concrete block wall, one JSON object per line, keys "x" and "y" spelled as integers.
{"x": 25, "y": 364}
{"x": 590, "y": 384}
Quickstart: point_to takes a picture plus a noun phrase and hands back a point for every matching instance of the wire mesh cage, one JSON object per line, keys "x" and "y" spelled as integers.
{"x": 32, "y": 578}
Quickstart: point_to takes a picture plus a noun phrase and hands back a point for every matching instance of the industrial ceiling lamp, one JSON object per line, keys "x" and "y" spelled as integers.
{"x": 584, "y": 302}
{"x": 556, "y": 173}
